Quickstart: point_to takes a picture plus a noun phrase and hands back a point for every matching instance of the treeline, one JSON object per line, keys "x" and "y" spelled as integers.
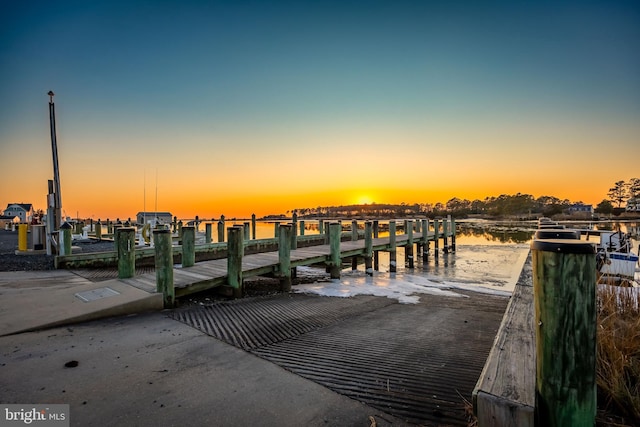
{"x": 503, "y": 205}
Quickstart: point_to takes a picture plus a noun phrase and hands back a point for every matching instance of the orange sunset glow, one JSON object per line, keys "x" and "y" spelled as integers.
{"x": 208, "y": 115}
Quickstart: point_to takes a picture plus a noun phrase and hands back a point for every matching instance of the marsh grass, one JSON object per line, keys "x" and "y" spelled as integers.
{"x": 618, "y": 355}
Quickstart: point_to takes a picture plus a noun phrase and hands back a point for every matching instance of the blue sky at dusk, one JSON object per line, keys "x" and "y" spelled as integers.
{"x": 464, "y": 99}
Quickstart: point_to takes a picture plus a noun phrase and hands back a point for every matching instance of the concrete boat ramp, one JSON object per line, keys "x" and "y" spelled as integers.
{"x": 278, "y": 360}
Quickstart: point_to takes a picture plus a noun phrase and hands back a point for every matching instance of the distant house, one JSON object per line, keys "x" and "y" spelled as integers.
{"x": 162, "y": 217}
{"x": 581, "y": 208}
{"x": 633, "y": 205}
{"x": 24, "y": 211}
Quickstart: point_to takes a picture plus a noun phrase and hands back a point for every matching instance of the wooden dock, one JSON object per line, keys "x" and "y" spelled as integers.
{"x": 276, "y": 257}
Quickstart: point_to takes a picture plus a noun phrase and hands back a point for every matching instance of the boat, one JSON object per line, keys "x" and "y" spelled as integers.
{"x": 615, "y": 261}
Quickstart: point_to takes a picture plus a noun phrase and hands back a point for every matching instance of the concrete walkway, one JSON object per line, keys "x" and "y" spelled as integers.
{"x": 32, "y": 300}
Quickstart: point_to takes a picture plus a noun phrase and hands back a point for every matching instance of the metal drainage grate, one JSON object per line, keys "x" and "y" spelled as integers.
{"x": 96, "y": 294}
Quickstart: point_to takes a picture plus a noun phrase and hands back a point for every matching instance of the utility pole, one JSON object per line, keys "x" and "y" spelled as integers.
{"x": 56, "y": 203}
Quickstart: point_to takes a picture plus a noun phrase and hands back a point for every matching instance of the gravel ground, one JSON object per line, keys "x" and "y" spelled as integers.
{"x": 9, "y": 261}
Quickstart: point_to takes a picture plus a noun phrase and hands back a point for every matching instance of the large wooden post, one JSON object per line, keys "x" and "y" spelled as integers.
{"x": 284, "y": 257}
{"x": 247, "y": 231}
{"x": 368, "y": 248}
{"x": 408, "y": 249}
{"x": 453, "y": 234}
{"x": 436, "y": 237}
{"x": 276, "y": 229}
{"x": 320, "y": 226}
{"x": 188, "y": 246}
{"x": 564, "y": 288}
{"x": 207, "y": 232}
{"x": 445, "y": 236}
{"x": 164, "y": 266}
{"x": 98, "y": 230}
{"x": 425, "y": 240}
{"x": 354, "y": 237}
{"x": 335, "y": 230}
{"x": 302, "y": 227}
{"x": 392, "y": 247}
{"x": 220, "y": 231}
{"x": 235, "y": 249}
{"x": 126, "y": 252}
{"x": 253, "y": 226}
{"x": 376, "y": 254}
{"x": 64, "y": 245}
{"x": 294, "y": 231}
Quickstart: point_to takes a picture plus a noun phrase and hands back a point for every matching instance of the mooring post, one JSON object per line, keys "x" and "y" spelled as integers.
{"x": 246, "y": 231}
{"x": 436, "y": 237}
{"x": 408, "y": 249}
{"x": 276, "y": 229}
{"x": 126, "y": 252}
{"x": 368, "y": 248}
{"x": 284, "y": 257}
{"x": 564, "y": 288}
{"x": 302, "y": 227}
{"x": 65, "y": 239}
{"x": 453, "y": 233}
{"x": 335, "y": 230}
{"x": 180, "y": 231}
{"x": 164, "y": 266}
{"x": 294, "y": 231}
{"x": 418, "y": 225}
{"x": 98, "y": 230}
{"x": 320, "y": 226}
{"x": 207, "y": 232}
{"x": 392, "y": 247}
{"x": 376, "y": 254}
{"x": 253, "y": 226}
{"x": 425, "y": 240}
{"x": 445, "y": 235}
{"x": 235, "y": 250}
{"x": 220, "y": 231}
{"x": 188, "y": 246}
{"x": 354, "y": 237}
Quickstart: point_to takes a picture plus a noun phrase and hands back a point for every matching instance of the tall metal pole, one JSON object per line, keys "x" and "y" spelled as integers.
{"x": 56, "y": 172}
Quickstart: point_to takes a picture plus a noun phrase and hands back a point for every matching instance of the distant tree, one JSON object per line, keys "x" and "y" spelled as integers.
{"x": 634, "y": 188}
{"x": 618, "y": 193}
{"x": 604, "y": 207}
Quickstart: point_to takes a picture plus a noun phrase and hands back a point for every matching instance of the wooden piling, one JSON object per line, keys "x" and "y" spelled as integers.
{"x": 247, "y": 232}
{"x": 253, "y": 226}
{"x": 207, "y": 232}
{"x": 126, "y": 252}
{"x": 284, "y": 257}
{"x": 436, "y": 238}
{"x": 564, "y": 284}
{"x": 235, "y": 249}
{"x": 164, "y": 266}
{"x": 445, "y": 236}
{"x": 188, "y": 246}
{"x": 408, "y": 249}
{"x": 302, "y": 227}
{"x": 220, "y": 231}
{"x": 368, "y": 248}
{"x": 425, "y": 240}
{"x": 276, "y": 229}
{"x": 453, "y": 234}
{"x": 392, "y": 247}
{"x": 335, "y": 231}
{"x": 294, "y": 231}
{"x": 98, "y": 230}
{"x": 64, "y": 244}
{"x": 354, "y": 237}
{"x": 376, "y": 254}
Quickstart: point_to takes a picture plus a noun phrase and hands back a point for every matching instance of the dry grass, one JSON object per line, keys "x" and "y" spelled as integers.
{"x": 618, "y": 351}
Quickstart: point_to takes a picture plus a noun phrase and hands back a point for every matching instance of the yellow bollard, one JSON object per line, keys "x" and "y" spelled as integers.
{"x": 22, "y": 237}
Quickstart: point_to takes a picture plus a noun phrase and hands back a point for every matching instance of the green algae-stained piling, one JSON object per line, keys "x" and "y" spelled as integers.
{"x": 126, "y": 252}
{"x": 334, "y": 243}
{"x": 221, "y": 231}
{"x": 408, "y": 249}
{"x": 188, "y": 246}
{"x": 207, "y": 232}
{"x": 164, "y": 266}
{"x": 235, "y": 251}
{"x": 65, "y": 239}
{"x": 368, "y": 248}
{"x": 392, "y": 247}
{"x": 564, "y": 283}
{"x": 284, "y": 257}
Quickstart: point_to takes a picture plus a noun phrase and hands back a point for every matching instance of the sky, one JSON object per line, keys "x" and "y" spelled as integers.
{"x": 239, "y": 107}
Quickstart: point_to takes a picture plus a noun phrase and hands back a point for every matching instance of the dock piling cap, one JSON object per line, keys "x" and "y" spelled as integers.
{"x": 564, "y": 246}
